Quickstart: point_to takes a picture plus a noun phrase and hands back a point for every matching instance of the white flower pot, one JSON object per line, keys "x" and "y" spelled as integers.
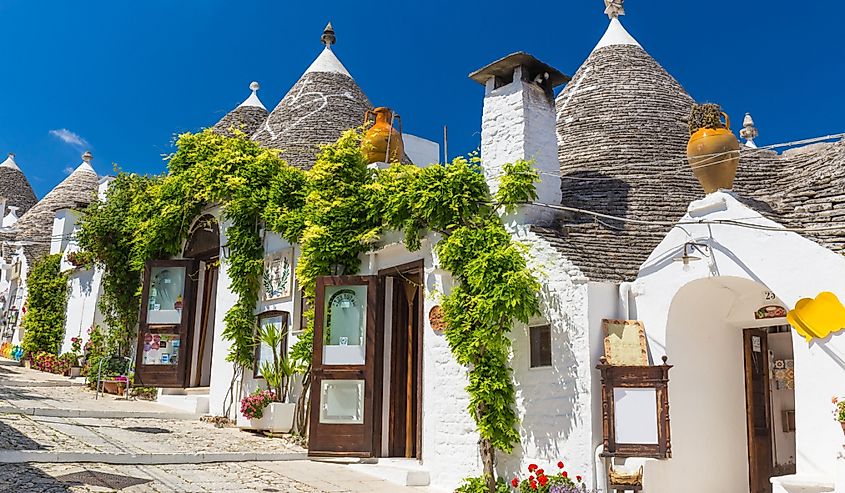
{"x": 75, "y": 371}
{"x": 277, "y": 418}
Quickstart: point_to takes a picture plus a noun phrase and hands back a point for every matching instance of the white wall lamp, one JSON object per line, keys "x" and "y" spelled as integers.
{"x": 689, "y": 248}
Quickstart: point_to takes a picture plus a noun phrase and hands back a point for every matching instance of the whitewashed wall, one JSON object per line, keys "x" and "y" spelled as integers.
{"x": 689, "y": 322}
{"x": 554, "y": 404}
{"x": 222, "y": 370}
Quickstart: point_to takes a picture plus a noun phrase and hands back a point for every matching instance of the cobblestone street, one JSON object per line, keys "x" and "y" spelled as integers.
{"x": 51, "y": 439}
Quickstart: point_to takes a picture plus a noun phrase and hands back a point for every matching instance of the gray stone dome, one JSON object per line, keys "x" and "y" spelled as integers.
{"x": 325, "y": 102}
{"x": 74, "y": 192}
{"x": 14, "y": 187}
{"x": 620, "y": 118}
{"x": 247, "y": 117}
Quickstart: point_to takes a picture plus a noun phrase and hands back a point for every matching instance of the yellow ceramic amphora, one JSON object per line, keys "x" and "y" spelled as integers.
{"x": 714, "y": 156}
{"x": 383, "y": 142}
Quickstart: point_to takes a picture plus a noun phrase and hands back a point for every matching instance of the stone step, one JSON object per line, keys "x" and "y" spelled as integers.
{"x": 404, "y": 472}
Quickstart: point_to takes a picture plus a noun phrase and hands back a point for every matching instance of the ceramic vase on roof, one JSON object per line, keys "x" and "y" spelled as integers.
{"x": 713, "y": 154}
{"x": 383, "y": 141}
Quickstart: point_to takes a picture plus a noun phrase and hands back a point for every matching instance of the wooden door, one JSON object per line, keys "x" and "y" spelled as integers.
{"x": 758, "y": 410}
{"x": 165, "y": 326}
{"x": 404, "y": 410}
{"x": 343, "y": 374}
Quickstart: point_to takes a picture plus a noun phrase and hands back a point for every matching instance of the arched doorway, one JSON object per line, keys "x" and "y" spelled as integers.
{"x": 732, "y": 412}
{"x": 203, "y": 246}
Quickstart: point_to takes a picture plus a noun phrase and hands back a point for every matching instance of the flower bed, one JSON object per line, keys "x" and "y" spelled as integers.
{"x": 49, "y": 363}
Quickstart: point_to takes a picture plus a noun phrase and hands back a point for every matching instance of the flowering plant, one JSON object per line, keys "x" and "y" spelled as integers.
{"x": 252, "y": 406}
{"x": 44, "y": 361}
{"x": 75, "y": 345}
{"x": 838, "y": 409}
{"x": 540, "y": 482}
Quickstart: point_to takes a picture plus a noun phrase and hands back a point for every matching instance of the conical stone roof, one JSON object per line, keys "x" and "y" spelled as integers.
{"x": 247, "y": 117}
{"x": 620, "y": 118}
{"x": 14, "y": 187}
{"x": 325, "y": 102}
{"x": 74, "y": 192}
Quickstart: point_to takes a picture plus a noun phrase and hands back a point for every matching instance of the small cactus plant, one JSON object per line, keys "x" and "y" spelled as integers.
{"x": 707, "y": 115}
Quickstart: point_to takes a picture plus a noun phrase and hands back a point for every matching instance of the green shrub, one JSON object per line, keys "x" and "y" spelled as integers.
{"x": 479, "y": 485}
{"x": 44, "y": 321}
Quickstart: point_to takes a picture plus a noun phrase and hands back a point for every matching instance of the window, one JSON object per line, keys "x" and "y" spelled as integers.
{"x": 541, "y": 346}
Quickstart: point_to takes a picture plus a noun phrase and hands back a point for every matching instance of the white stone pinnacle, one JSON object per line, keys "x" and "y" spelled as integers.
{"x": 253, "y": 100}
{"x": 86, "y": 163}
{"x": 616, "y": 35}
{"x": 10, "y": 163}
{"x": 328, "y": 62}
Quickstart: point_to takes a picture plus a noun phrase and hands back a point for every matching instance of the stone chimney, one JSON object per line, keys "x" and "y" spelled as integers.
{"x": 518, "y": 122}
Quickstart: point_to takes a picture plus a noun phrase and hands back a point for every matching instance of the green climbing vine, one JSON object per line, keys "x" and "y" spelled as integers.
{"x": 335, "y": 211}
{"x": 47, "y": 293}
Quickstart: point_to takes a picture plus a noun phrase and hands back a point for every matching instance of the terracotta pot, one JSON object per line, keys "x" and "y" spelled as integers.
{"x": 714, "y": 156}
{"x": 383, "y": 142}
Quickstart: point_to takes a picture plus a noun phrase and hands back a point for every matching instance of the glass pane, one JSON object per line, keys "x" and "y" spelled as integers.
{"x": 167, "y": 286}
{"x": 161, "y": 349}
{"x": 635, "y": 413}
{"x": 345, "y": 325}
{"x": 342, "y": 402}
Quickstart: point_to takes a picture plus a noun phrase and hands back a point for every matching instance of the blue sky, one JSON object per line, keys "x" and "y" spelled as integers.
{"x": 121, "y": 78}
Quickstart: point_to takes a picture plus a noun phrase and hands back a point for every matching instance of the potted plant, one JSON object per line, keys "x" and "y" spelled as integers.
{"x": 269, "y": 409}
{"x": 839, "y": 411}
{"x": 76, "y": 350}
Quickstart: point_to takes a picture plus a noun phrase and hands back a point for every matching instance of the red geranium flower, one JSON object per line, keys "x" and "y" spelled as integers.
{"x": 578, "y": 478}
{"x": 560, "y": 465}
{"x": 565, "y": 474}
{"x": 532, "y": 467}
{"x": 543, "y": 480}
{"x": 540, "y": 472}
{"x": 515, "y": 482}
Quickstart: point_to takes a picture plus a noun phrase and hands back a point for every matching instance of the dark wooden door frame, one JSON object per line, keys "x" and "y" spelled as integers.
{"x": 383, "y": 274}
{"x": 337, "y": 444}
{"x": 209, "y": 291}
{"x": 167, "y": 377}
{"x": 759, "y": 448}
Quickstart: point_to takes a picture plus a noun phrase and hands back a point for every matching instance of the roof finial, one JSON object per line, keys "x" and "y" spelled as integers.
{"x": 614, "y": 8}
{"x": 749, "y": 132}
{"x": 87, "y": 157}
{"x": 328, "y": 38}
{"x": 255, "y": 86}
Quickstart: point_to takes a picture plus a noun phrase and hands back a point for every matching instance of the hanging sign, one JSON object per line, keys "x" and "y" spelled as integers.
{"x": 624, "y": 342}
{"x": 819, "y": 317}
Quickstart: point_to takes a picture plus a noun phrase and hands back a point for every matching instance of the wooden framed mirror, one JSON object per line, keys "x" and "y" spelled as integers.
{"x": 635, "y": 410}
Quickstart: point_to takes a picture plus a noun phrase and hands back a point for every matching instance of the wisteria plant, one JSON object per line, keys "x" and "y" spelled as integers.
{"x": 838, "y": 409}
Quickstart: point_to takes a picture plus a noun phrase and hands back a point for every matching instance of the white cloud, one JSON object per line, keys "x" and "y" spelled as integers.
{"x": 69, "y": 137}
{"x": 68, "y": 170}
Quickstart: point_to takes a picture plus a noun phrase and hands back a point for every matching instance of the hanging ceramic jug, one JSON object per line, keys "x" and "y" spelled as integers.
{"x": 383, "y": 142}
{"x": 713, "y": 153}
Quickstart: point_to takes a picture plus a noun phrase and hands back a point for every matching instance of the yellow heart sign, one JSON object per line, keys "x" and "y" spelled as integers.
{"x": 819, "y": 317}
